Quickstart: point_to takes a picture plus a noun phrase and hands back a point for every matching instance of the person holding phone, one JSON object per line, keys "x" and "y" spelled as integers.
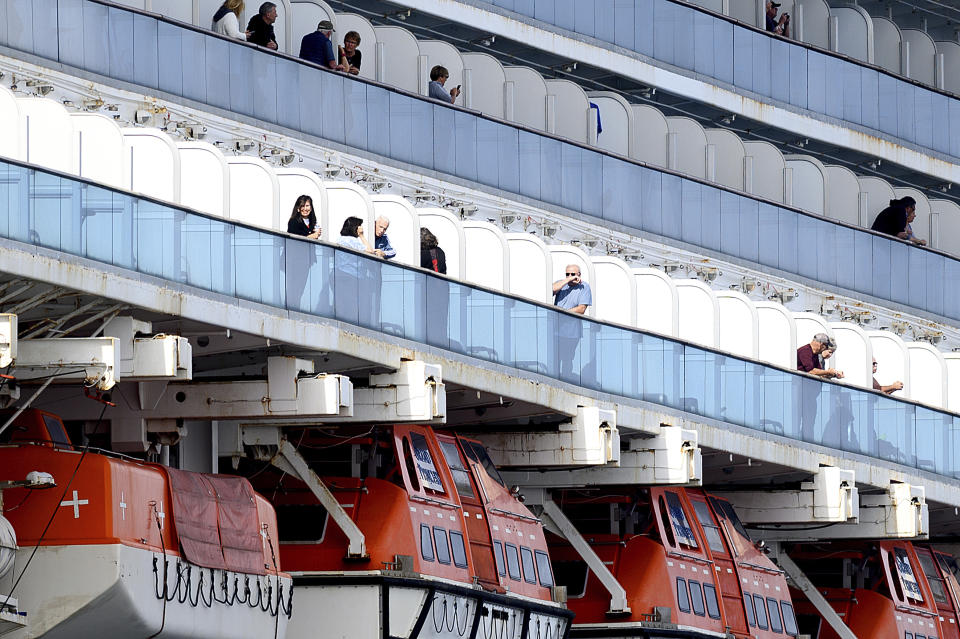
{"x": 779, "y": 26}
{"x": 438, "y": 76}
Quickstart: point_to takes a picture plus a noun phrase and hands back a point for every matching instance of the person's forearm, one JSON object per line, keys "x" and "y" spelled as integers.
{"x": 579, "y": 308}
{"x": 558, "y": 285}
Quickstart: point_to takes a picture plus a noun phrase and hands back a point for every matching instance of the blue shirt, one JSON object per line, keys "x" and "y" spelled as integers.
{"x": 573, "y": 295}
{"x": 317, "y": 48}
{"x": 437, "y": 92}
{"x": 383, "y": 243}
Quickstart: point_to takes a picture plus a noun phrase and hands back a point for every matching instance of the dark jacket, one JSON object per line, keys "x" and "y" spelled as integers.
{"x": 891, "y": 220}
{"x": 262, "y": 33}
{"x": 297, "y": 227}
{"x": 317, "y": 48}
{"x": 433, "y": 259}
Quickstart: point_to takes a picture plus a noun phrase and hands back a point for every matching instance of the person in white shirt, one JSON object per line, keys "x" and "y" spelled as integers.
{"x": 226, "y": 21}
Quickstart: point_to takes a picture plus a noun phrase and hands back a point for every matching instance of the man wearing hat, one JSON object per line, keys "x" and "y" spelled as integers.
{"x": 808, "y": 362}
{"x": 781, "y": 26}
{"x": 317, "y": 47}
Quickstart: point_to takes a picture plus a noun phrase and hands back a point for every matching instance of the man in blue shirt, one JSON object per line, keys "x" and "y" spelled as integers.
{"x": 317, "y": 47}
{"x": 570, "y": 293}
{"x": 573, "y": 295}
{"x": 381, "y": 243}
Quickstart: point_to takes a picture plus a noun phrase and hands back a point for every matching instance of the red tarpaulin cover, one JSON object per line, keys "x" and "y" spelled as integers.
{"x": 216, "y": 521}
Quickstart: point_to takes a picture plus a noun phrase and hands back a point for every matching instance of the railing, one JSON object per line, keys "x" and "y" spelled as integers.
{"x": 74, "y": 216}
{"x": 184, "y": 61}
{"x": 750, "y": 59}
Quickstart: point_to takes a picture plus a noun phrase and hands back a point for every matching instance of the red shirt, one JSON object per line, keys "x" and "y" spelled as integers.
{"x": 806, "y": 360}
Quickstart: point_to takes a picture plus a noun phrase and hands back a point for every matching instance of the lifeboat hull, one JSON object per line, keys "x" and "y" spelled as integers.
{"x": 116, "y": 591}
{"x": 416, "y": 608}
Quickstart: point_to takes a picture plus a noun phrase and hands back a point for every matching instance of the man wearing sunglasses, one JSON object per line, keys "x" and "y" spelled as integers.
{"x": 570, "y": 293}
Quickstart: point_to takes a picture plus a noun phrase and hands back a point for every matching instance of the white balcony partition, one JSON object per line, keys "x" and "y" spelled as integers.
{"x": 739, "y": 324}
{"x": 855, "y": 37}
{"x": 399, "y": 62}
{"x": 152, "y": 164}
{"x": 179, "y": 10}
{"x": 487, "y": 255}
{"x": 893, "y": 363}
{"x": 768, "y": 166}
{"x": 746, "y": 11}
{"x": 658, "y": 306}
{"x": 531, "y": 267}
{"x": 951, "y": 64}
{"x": 887, "y": 41}
{"x": 777, "y": 335}
{"x": 346, "y": 199}
{"x": 447, "y": 56}
{"x": 563, "y": 255}
{"x": 952, "y": 362}
{"x": 404, "y": 231}
{"x": 928, "y": 375}
{"x": 946, "y": 215}
{"x": 484, "y": 89}
{"x": 12, "y": 127}
{"x": 923, "y": 53}
{"x": 699, "y": 313}
{"x": 530, "y": 97}
{"x": 616, "y": 117}
{"x": 810, "y": 183}
{"x": 650, "y": 135}
{"x": 615, "y": 291}
{"x": 854, "y": 354}
{"x": 449, "y": 233}
{"x": 729, "y": 164}
{"x": 305, "y": 15}
{"x": 204, "y": 178}
{"x": 347, "y": 22}
{"x": 875, "y": 195}
{"x": 843, "y": 204}
{"x": 690, "y": 148}
{"x": 48, "y": 131}
{"x": 808, "y": 325}
{"x": 816, "y": 22}
{"x": 296, "y": 182}
{"x": 923, "y": 223}
{"x": 254, "y": 193}
{"x": 570, "y": 110}
{"x": 98, "y": 145}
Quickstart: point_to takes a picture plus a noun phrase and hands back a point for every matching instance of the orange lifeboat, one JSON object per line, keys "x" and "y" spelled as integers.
{"x": 882, "y": 590}
{"x": 451, "y": 552}
{"x": 122, "y": 548}
{"x": 686, "y": 562}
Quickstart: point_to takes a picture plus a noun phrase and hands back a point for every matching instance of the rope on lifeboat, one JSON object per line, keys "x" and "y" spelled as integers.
{"x": 454, "y": 619}
{"x": 205, "y": 594}
{"x": 491, "y": 632}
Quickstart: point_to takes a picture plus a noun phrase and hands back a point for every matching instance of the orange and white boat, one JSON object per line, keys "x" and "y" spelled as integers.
{"x": 882, "y": 589}
{"x": 686, "y": 562}
{"x": 121, "y": 548}
{"x": 450, "y": 552}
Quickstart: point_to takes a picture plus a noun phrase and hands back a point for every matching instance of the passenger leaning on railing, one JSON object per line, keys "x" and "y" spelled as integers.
{"x": 895, "y": 220}
{"x": 317, "y": 47}
{"x": 809, "y": 361}
{"x": 226, "y": 21}
{"x": 260, "y": 27}
{"x": 303, "y": 219}
{"x": 350, "y": 56}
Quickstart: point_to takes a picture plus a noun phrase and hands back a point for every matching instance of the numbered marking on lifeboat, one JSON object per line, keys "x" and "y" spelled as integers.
{"x": 439, "y": 515}
{"x": 466, "y": 514}
{"x": 730, "y": 570}
{"x": 76, "y": 503}
{"x": 426, "y": 512}
{"x": 123, "y": 507}
{"x": 532, "y": 537}
{"x": 767, "y": 586}
{"x": 669, "y": 563}
{"x": 452, "y": 518}
{"x": 161, "y": 514}
{"x": 683, "y": 566}
{"x": 412, "y": 509}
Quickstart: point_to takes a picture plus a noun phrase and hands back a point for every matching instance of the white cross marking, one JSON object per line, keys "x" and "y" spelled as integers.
{"x": 76, "y": 503}
{"x": 123, "y": 507}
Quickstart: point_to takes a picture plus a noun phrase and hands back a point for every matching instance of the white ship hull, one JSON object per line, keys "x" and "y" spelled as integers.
{"x": 98, "y": 591}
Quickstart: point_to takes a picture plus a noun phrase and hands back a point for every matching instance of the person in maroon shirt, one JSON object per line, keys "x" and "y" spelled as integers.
{"x": 808, "y": 362}
{"x": 889, "y": 388}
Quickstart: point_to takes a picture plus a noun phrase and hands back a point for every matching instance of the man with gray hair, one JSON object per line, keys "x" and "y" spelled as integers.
{"x": 260, "y": 26}
{"x": 381, "y": 243}
{"x": 808, "y": 362}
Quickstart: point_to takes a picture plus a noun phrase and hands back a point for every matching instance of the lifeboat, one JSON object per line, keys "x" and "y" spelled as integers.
{"x": 882, "y": 590}
{"x": 450, "y": 552}
{"x": 116, "y": 547}
{"x": 687, "y": 564}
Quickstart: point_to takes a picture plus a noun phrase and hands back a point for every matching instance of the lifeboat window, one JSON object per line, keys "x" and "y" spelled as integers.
{"x": 55, "y": 428}
{"x": 907, "y": 635}
{"x": 748, "y": 604}
{"x": 513, "y": 562}
{"x": 696, "y": 599}
{"x": 424, "y": 460}
{"x": 681, "y": 525}
{"x": 442, "y": 545}
{"x": 573, "y": 575}
{"x": 478, "y": 453}
{"x": 905, "y": 569}
{"x": 713, "y": 606}
{"x": 933, "y": 576}
{"x": 710, "y": 529}
{"x": 725, "y": 510}
{"x": 458, "y": 549}
{"x": 426, "y": 542}
{"x": 789, "y": 619}
{"x": 301, "y": 522}
{"x": 665, "y": 520}
{"x": 773, "y": 611}
{"x": 529, "y": 571}
{"x": 461, "y": 476}
{"x": 498, "y": 552}
{"x": 543, "y": 569}
{"x": 920, "y": 637}
{"x": 683, "y": 597}
{"x": 761, "y": 611}
{"x": 411, "y": 467}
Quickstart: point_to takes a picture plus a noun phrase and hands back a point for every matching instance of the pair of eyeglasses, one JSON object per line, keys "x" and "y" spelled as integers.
{"x": 874, "y": 364}
{"x": 572, "y": 274}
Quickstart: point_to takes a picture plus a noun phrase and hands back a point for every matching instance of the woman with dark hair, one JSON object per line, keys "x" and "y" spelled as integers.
{"x": 895, "y": 220}
{"x": 303, "y": 219}
{"x": 431, "y": 255}
{"x": 351, "y": 235}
